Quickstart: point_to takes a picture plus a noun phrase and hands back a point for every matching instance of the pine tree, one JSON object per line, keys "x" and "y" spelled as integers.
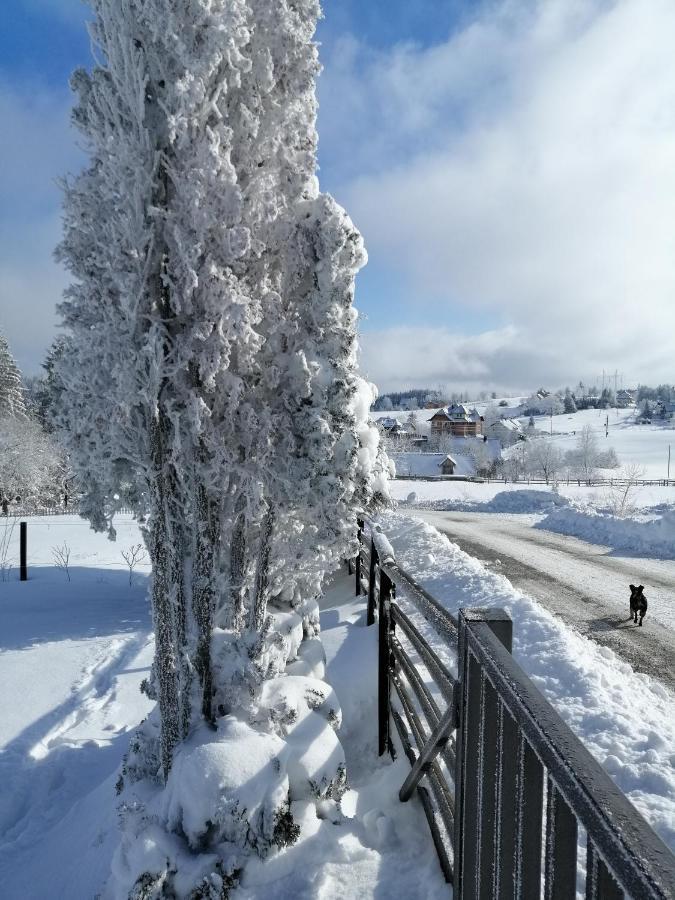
{"x": 12, "y": 404}
{"x": 570, "y": 405}
{"x": 210, "y": 381}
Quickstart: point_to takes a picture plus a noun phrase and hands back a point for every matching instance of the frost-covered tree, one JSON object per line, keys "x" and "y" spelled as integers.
{"x": 12, "y": 402}
{"x": 543, "y": 459}
{"x": 30, "y": 463}
{"x": 584, "y": 458}
{"x": 210, "y": 384}
{"x": 44, "y": 392}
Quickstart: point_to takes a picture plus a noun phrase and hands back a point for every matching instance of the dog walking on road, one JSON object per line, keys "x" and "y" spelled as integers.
{"x": 638, "y": 603}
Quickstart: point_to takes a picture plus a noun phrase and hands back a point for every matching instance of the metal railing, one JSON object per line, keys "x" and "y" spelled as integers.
{"x": 507, "y": 789}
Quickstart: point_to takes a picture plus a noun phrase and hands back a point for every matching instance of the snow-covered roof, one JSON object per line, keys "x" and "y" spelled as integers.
{"x": 458, "y": 411}
{"x": 510, "y": 424}
{"x": 429, "y": 464}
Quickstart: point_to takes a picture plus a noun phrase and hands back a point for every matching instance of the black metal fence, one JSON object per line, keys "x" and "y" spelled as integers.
{"x": 514, "y": 801}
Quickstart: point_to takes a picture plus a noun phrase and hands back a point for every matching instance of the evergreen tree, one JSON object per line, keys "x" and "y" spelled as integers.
{"x": 570, "y": 405}
{"x": 12, "y": 404}
{"x": 210, "y": 381}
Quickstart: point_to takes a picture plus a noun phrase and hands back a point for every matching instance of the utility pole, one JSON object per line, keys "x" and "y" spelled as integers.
{"x": 668, "y": 462}
{"x": 607, "y": 425}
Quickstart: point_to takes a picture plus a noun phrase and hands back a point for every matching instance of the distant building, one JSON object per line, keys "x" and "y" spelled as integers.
{"x": 625, "y": 398}
{"x": 393, "y": 428}
{"x": 507, "y": 432}
{"x": 448, "y": 465}
{"x": 432, "y": 465}
{"x": 457, "y": 421}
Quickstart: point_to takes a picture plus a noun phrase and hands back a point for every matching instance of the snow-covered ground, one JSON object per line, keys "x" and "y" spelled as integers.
{"x": 642, "y": 445}
{"x": 646, "y": 527}
{"x": 627, "y": 720}
{"x": 468, "y": 492}
{"x": 72, "y": 656}
{"x": 379, "y": 847}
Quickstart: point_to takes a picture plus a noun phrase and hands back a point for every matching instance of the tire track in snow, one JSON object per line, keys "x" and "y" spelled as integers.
{"x": 535, "y": 563}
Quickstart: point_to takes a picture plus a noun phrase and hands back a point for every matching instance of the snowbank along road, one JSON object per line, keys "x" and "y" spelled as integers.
{"x": 577, "y": 581}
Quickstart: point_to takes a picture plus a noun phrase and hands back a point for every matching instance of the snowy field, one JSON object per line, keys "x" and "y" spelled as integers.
{"x": 642, "y": 445}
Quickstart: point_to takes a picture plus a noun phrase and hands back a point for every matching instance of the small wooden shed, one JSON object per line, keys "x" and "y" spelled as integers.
{"x": 448, "y": 465}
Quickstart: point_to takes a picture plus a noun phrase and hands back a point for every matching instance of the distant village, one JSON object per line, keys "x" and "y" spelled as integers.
{"x": 428, "y": 439}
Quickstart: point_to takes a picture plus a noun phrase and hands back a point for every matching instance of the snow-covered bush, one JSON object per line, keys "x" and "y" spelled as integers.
{"x": 211, "y": 385}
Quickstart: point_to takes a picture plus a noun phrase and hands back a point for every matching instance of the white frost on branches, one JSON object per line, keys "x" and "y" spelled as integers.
{"x": 12, "y": 403}
{"x": 211, "y": 380}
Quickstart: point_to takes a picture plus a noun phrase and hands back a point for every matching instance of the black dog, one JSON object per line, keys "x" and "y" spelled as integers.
{"x": 638, "y": 603}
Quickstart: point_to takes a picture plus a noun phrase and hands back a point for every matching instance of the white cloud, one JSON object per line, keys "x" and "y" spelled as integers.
{"x": 525, "y": 168}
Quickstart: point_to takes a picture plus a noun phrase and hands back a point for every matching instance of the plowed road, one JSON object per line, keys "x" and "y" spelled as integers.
{"x": 584, "y": 584}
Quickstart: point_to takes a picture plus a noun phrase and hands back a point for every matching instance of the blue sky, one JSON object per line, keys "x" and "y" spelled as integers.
{"x": 510, "y": 163}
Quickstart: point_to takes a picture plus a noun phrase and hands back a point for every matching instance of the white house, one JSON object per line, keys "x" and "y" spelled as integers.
{"x": 506, "y": 431}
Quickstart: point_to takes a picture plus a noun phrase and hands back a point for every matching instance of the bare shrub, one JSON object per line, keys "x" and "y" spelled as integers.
{"x": 132, "y": 557}
{"x": 6, "y": 533}
{"x": 61, "y": 557}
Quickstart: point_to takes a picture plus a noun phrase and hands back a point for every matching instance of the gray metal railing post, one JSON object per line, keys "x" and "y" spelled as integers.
{"x": 357, "y": 561}
{"x": 387, "y": 592}
{"x": 374, "y": 559}
{"x": 476, "y": 776}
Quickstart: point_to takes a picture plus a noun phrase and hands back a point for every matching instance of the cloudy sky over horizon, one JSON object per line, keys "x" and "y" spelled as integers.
{"x": 511, "y": 164}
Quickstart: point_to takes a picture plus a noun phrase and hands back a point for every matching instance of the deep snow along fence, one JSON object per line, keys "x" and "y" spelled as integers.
{"x": 514, "y": 801}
